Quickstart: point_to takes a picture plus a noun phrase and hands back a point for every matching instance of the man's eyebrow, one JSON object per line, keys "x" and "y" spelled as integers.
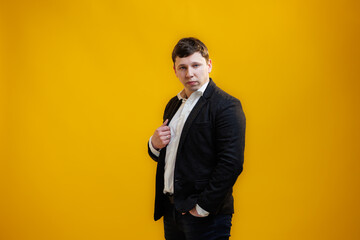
{"x": 183, "y": 64}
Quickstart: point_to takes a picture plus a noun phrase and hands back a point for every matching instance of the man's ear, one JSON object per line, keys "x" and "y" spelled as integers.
{"x": 174, "y": 68}
{"x": 209, "y": 66}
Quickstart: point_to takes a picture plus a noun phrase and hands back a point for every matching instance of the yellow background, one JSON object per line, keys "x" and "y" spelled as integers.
{"x": 84, "y": 85}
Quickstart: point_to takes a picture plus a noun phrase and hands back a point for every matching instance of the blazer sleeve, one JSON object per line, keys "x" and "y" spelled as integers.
{"x": 229, "y": 145}
{"x": 151, "y": 154}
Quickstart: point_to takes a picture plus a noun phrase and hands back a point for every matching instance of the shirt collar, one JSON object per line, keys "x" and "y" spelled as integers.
{"x": 200, "y": 91}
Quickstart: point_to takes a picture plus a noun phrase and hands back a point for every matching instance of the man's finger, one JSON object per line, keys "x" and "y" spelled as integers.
{"x": 165, "y": 123}
{"x": 166, "y": 132}
{"x": 165, "y": 137}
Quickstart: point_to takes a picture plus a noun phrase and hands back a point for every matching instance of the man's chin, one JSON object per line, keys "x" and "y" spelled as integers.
{"x": 193, "y": 88}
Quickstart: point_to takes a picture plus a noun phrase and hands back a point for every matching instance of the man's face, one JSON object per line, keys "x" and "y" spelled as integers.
{"x": 192, "y": 71}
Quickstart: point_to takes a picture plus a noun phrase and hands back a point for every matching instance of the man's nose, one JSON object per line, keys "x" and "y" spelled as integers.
{"x": 189, "y": 73}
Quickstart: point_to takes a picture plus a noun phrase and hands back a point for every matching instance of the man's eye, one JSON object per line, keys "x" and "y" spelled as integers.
{"x": 196, "y": 65}
{"x": 182, "y": 68}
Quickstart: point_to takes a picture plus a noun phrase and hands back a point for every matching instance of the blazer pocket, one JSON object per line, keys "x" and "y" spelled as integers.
{"x": 202, "y": 124}
{"x": 201, "y": 184}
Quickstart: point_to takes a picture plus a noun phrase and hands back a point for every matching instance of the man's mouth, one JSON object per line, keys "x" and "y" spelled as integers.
{"x": 192, "y": 82}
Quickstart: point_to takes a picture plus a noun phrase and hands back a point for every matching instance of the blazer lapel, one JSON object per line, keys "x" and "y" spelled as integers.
{"x": 189, "y": 121}
{"x": 169, "y": 114}
{"x": 172, "y": 110}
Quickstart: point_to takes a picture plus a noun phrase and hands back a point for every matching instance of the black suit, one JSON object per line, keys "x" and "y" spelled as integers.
{"x": 210, "y": 155}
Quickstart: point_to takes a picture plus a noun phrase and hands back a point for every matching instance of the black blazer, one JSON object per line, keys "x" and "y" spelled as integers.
{"x": 210, "y": 155}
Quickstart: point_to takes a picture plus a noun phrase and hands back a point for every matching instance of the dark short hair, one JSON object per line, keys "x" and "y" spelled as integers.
{"x": 188, "y": 46}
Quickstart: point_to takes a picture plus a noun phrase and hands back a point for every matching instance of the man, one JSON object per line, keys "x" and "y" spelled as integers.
{"x": 199, "y": 150}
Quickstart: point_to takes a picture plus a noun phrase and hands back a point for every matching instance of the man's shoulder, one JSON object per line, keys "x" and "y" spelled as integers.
{"x": 222, "y": 98}
{"x": 172, "y": 101}
{"x": 224, "y": 105}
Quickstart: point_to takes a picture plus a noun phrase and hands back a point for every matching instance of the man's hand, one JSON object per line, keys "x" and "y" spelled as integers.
{"x": 194, "y": 213}
{"x": 162, "y": 136}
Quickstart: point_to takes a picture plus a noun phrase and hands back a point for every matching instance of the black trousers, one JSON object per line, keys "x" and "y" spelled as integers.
{"x": 189, "y": 227}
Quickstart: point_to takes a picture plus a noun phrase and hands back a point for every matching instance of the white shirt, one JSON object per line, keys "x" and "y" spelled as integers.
{"x": 176, "y": 126}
